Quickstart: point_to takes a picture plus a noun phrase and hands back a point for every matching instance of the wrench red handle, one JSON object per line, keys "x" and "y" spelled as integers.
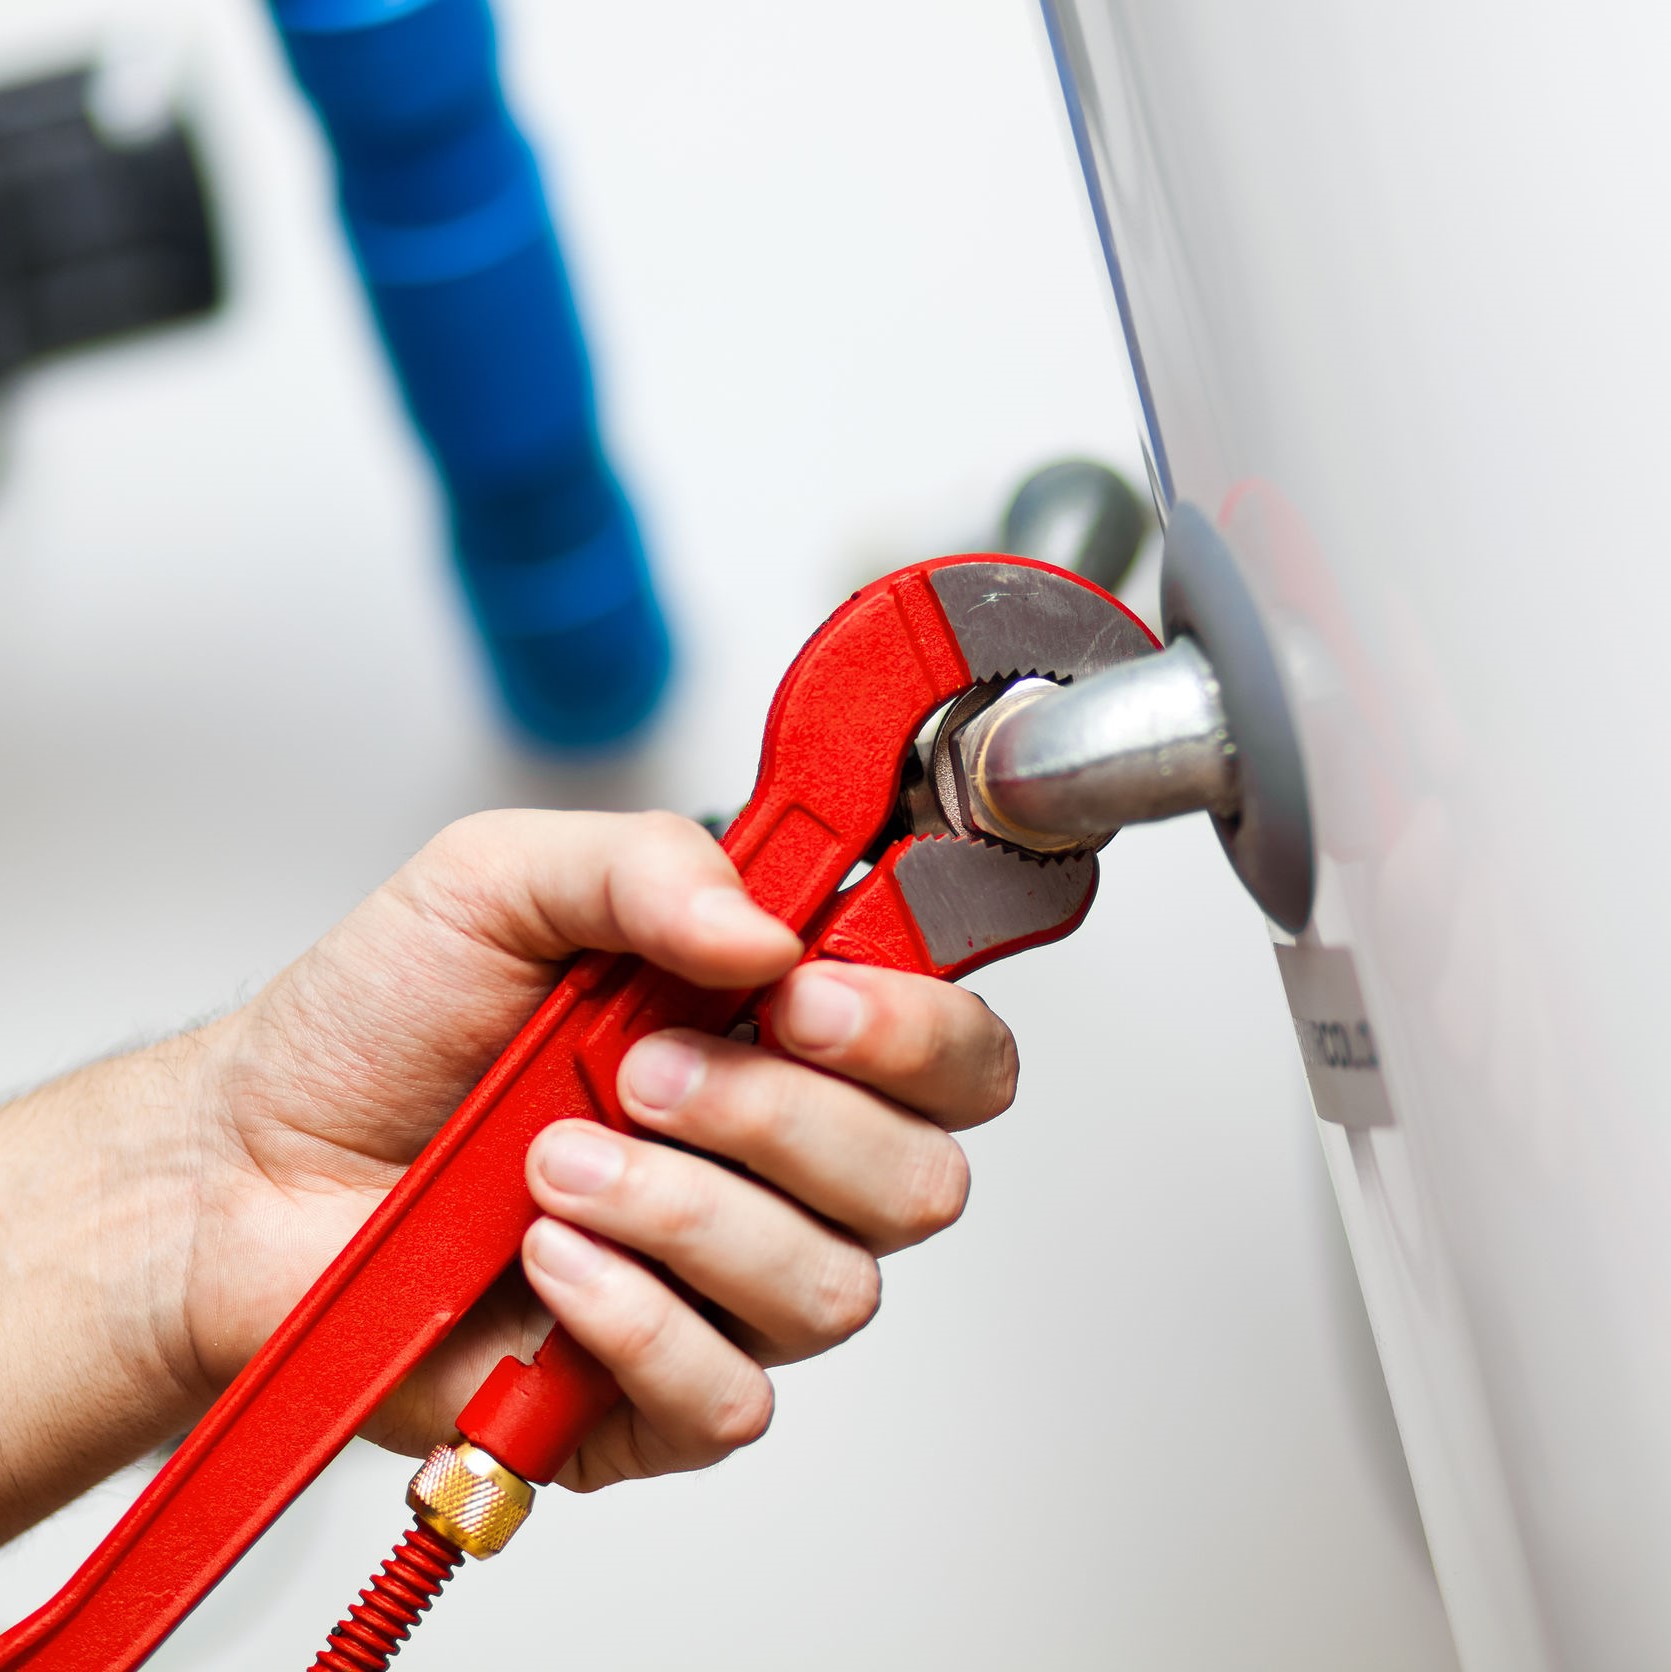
{"x": 828, "y": 768}
{"x": 842, "y": 719}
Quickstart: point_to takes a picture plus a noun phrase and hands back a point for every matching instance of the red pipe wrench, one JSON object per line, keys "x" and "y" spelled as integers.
{"x": 841, "y": 728}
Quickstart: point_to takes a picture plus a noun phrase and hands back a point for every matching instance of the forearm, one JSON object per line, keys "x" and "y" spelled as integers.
{"x": 98, "y": 1185}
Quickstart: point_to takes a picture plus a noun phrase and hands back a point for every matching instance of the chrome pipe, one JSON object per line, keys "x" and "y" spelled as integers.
{"x": 1048, "y": 765}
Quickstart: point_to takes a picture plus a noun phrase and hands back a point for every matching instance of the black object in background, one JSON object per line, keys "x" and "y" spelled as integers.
{"x": 98, "y": 237}
{"x": 1079, "y": 515}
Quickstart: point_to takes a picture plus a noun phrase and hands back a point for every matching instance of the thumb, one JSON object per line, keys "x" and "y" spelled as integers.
{"x": 543, "y": 885}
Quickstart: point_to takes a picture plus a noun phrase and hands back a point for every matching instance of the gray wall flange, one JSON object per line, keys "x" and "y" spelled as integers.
{"x": 1269, "y": 841}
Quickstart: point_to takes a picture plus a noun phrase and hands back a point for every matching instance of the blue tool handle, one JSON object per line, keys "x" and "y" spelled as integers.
{"x": 444, "y": 208}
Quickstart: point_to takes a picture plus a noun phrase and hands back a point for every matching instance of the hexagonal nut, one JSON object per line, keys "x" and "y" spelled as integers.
{"x": 968, "y": 776}
{"x": 471, "y": 1498}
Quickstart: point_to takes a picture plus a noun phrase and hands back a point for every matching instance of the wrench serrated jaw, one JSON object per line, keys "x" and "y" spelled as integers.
{"x": 1013, "y": 620}
{"x": 970, "y": 897}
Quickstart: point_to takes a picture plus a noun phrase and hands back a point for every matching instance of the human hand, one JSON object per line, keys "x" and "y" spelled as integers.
{"x": 683, "y": 1273}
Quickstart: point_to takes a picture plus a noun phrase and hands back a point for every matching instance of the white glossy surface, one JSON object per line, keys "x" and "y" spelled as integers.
{"x": 1127, "y": 1414}
{"x": 1396, "y": 278}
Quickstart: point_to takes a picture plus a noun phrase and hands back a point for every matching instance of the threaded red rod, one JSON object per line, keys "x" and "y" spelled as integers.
{"x": 392, "y": 1604}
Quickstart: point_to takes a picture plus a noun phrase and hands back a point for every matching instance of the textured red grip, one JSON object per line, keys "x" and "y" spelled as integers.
{"x": 532, "y": 1417}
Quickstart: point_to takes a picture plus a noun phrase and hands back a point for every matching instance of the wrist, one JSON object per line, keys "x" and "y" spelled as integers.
{"x": 99, "y": 1182}
{"x": 160, "y": 1139}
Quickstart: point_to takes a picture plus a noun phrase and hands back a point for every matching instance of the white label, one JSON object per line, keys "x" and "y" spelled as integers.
{"x": 1337, "y": 1043}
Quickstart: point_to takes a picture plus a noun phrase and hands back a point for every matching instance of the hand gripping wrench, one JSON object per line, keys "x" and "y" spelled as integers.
{"x": 842, "y": 729}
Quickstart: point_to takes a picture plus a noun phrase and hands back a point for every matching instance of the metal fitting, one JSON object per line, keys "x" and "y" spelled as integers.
{"x": 1046, "y": 766}
{"x": 1204, "y": 725}
{"x": 470, "y": 1498}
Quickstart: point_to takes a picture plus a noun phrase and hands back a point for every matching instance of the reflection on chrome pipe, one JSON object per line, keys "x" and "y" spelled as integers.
{"x": 1046, "y": 766}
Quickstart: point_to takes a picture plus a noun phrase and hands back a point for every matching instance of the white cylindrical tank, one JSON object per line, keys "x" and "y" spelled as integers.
{"x": 1393, "y": 285}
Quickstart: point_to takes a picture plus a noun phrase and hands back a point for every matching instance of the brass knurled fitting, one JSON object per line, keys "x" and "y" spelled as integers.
{"x": 470, "y": 1497}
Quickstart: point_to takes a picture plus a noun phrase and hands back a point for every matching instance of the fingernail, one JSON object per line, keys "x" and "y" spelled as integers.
{"x": 661, "y": 1073}
{"x": 822, "y": 1013}
{"x": 730, "y": 911}
{"x": 562, "y": 1252}
{"x": 579, "y": 1160}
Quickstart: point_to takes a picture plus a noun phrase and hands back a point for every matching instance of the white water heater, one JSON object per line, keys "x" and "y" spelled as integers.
{"x": 1393, "y": 285}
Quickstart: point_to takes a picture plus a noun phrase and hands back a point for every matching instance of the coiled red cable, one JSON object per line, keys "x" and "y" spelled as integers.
{"x": 529, "y": 1416}
{"x": 392, "y": 1604}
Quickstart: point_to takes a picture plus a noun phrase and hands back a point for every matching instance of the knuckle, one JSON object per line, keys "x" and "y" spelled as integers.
{"x": 465, "y": 877}
{"x": 753, "y": 1104}
{"x": 647, "y": 1452}
{"x": 453, "y": 848}
{"x": 847, "y": 1294}
{"x": 682, "y": 1212}
{"x": 1006, "y": 1072}
{"x": 658, "y": 830}
{"x": 634, "y": 1325}
{"x": 581, "y": 1476}
{"x": 451, "y": 839}
{"x": 748, "y": 1106}
{"x": 938, "y": 1190}
{"x": 920, "y": 1048}
{"x": 743, "y": 1411}
{"x": 444, "y": 867}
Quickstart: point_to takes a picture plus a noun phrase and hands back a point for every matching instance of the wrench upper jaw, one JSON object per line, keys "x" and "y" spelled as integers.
{"x": 1016, "y": 622}
{"x": 1013, "y": 619}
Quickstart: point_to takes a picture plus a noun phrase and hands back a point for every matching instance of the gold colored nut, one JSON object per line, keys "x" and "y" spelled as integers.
{"x": 469, "y": 1497}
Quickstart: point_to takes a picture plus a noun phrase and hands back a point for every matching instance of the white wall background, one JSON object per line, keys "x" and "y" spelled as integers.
{"x": 843, "y": 293}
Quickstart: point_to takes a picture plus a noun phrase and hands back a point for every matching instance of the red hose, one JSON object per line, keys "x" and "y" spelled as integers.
{"x": 392, "y": 1604}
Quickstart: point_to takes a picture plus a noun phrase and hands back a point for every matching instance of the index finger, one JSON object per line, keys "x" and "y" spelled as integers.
{"x": 924, "y": 1043}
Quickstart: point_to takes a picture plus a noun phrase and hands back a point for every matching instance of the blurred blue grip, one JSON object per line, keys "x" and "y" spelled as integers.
{"x": 448, "y": 219}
